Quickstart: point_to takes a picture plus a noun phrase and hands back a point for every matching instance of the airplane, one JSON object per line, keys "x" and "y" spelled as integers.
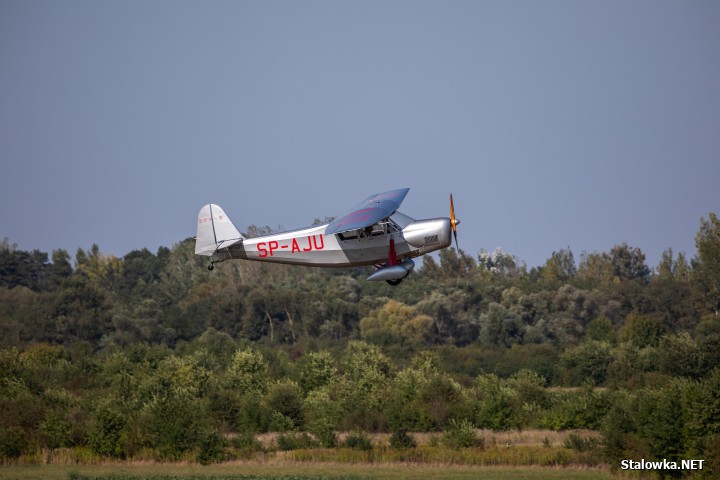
{"x": 374, "y": 232}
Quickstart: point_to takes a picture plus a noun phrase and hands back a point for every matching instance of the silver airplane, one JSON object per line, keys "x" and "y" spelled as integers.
{"x": 374, "y": 232}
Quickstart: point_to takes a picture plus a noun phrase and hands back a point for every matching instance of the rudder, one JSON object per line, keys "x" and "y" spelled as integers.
{"x": 214, "y": 230}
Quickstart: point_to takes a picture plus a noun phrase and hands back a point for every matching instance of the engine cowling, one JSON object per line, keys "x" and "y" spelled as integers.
{"x": 426, "y": 233}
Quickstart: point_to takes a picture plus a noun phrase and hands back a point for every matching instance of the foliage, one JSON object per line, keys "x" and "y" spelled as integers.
{"x": 247, "y": 372}
{"x": 358, "y": 440}
{"x": 315, "y": 370}
{"x": 706, "y": 265}
{"x": 580, "y": 443}
{"x": 152, "y": 356}
{"x": 402, "y": 439}
{"x": 396, "y": 323}
{"x": 461, "y": 434}
{"x": 587, "y": 362}
{"x": 294, "y": 441}
{"x": 13, "y": 442}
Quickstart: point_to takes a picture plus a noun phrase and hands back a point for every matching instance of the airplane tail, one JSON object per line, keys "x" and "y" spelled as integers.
{"x": 214, "y": 230}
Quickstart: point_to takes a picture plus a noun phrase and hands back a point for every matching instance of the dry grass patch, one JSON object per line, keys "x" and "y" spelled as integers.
{"x": 509, "y": 438}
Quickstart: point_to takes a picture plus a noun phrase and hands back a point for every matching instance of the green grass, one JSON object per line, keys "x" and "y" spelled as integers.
{"x": 294, "y": 471}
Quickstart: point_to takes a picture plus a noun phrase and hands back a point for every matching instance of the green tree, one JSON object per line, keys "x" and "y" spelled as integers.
{"x": 59, "y": 269}
{"x": 642, "y": 330}
{"x": 286, "y": 398}
{"x": 18, "y": 267}
{"x": 660, "y": 422}
{"x": 706, "y": 265}
{"x": 664, "y": 269}
{"x": 107, "y": 433}
{"x": 702, "y": 415}
{"x": 680, "y": 355}
{"x": 500, "y": 327}
{"x": 595, "y": 269}
{"x": 452, "y": 319}
{"x": 441, "y": 399}
{"x": 601, "y": 329}
{"x": 629, "y": 263}
{"x": 315, "y": 370}
{"x": 501, "y": 264}
{"x": 362, "y": 388}
{"x": 174, "y": 424}
{"x": 141, "y": 271}
{"x": 560, "y": 266}
{"x": 587, "y": 362}
{"x": 396, "y": 323}
{"x": 496, "y": 403}
{"x": 248, "y": 372}
{"x": 81, "y": 310}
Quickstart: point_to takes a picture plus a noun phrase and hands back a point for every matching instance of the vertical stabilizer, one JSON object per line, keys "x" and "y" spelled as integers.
{"x": 214, "y": 230}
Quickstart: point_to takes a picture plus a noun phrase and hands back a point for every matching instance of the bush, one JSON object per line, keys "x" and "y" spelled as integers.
{"x": 358, "y": 440}
{"x": 324, "y": 432}
{"x": 211, "y": 445}
{"x": 106, "y": 435}
{"x": 295, "y": 441}
{"x": 13, "y": 441}
{"x": 580, "y": 444}
{"x": 461, "y": 434}
{"x": 247, "y": 441}
{"x": 280, "y": 423}
{"x": 402, "y": 439}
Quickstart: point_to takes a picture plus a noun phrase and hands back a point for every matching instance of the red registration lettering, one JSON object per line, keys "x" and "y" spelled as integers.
{"x": 309, "y": 246}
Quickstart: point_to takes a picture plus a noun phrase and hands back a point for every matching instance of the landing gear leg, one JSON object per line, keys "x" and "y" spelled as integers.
{"x": 394, "y": 283}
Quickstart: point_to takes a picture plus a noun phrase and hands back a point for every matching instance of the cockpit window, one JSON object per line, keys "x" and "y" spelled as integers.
{"x": 350, "y": 235}
{"x": 375, "y": 230}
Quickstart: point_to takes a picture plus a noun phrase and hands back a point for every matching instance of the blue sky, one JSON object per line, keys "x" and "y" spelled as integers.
{"x": 554, "y": 124}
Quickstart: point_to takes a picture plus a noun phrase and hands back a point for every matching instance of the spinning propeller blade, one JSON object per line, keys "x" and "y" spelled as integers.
{"x": 454, "y": 222}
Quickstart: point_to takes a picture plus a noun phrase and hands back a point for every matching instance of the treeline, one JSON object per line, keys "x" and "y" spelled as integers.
{"x": 110, "y": 353}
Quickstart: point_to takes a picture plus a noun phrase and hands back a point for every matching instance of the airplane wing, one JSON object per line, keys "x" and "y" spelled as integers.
{"x": 369, "y": 211}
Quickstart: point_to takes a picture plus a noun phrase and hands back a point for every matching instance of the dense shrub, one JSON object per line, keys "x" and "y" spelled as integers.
{"x": 358, "y": 440}
{"x": 295, "y": 440}
{"x": 13, "y": 442}
{"x": 461, "y": 434}
{"x": 402, "y": 439}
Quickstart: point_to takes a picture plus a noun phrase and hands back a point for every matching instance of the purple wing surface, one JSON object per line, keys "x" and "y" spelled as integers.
{"x": 371, "y": 210}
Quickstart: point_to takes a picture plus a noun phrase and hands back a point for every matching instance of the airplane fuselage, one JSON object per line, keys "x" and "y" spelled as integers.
{"x": 311, "y": 246}
{"x": 374, "y": 232}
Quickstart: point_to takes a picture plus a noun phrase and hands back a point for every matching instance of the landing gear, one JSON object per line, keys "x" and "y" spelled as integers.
{"x": 211, "y": 267}
{"x": 394, "y": 283}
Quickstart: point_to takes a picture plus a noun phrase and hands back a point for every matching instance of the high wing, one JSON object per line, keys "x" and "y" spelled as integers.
{"x": 369, "y": 211}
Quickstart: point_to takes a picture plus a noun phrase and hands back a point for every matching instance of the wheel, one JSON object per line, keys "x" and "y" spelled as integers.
{"x": 211, "y": 267}
{"x": 394, "y": 282}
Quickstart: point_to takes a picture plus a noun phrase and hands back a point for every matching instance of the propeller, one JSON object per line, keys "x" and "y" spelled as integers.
{"x": 454, "y": 222}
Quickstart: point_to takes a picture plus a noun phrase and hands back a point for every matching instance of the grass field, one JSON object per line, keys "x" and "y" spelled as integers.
{"x": 529, "y": 454}
{"x": 299, "y": 471}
